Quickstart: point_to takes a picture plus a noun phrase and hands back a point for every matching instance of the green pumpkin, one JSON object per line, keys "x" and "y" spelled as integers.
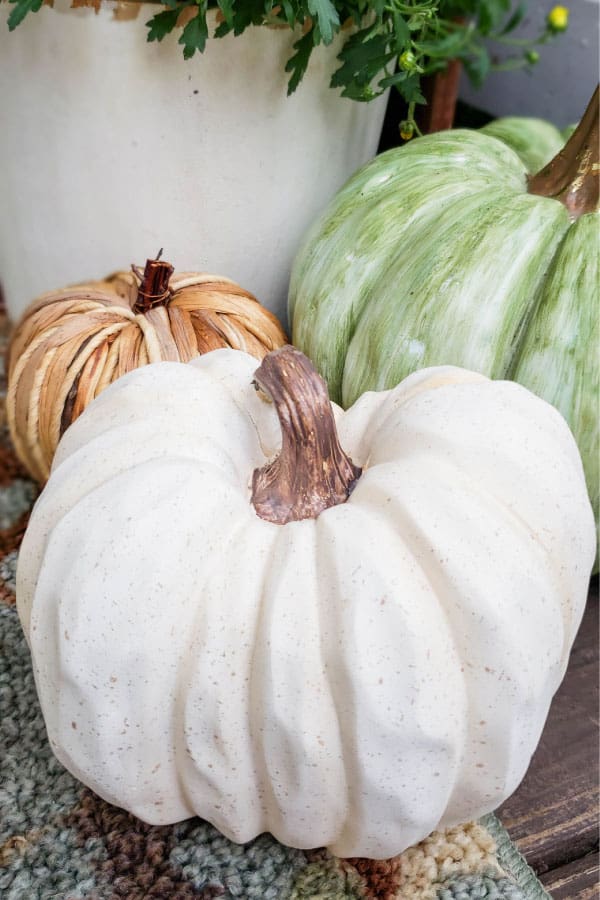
{"x": 535, "y": 140}
{"x": 438, "y": 252}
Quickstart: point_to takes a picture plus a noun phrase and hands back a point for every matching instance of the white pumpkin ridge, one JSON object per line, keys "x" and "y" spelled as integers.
{"x": 352, "y": 681}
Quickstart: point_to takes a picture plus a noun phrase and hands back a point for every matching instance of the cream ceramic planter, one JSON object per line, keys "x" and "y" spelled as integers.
{"x": 112, "y": 148}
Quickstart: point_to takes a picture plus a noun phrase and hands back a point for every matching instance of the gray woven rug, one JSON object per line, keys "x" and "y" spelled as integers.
{"x": 59, "y": 840}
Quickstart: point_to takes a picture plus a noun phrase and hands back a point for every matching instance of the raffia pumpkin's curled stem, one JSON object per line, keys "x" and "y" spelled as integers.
{"x": 573, "y": 176}
{"x": 154, "y": 284}
{"x": 311, "y": 472}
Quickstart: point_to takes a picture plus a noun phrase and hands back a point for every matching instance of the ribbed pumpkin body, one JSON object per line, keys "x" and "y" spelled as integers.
{"x": 353, "y": 680}
{"x": 437, "y": 254}
{"x": 72, "y": 343}
{"x": 535, "y": 140}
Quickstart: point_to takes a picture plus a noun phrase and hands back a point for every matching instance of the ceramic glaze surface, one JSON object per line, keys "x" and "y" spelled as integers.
{"x": 436, "y": 254}
{"x": 207, "y": 158}
{"x": 352, "y": 681}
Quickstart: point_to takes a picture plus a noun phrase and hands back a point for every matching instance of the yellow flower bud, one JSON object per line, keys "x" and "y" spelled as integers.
{"x": 558, "y": 18}
{"x": 407, "y": 130}
{"x": 407, "y": 61}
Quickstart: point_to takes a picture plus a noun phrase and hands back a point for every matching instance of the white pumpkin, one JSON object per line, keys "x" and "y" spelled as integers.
{"x": 353, "y": 680}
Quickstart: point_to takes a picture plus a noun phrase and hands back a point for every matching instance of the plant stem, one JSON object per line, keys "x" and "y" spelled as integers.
{"x": 573, "y": 176}
{"x": 154, "y": 285}
{"x": 311, "y": 472}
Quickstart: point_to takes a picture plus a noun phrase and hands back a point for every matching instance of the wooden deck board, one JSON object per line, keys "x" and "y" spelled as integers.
{"x": 553, "y": 816}
{"x": 578, "y": 879}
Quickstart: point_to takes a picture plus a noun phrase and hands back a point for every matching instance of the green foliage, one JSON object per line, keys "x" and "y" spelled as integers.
{"x": 20, "y": 10}
{"x": 325, "y": 17}
{"x": 195, "y": 34}
{"x": 299, "y": 61}
{"x": 395, "y": 43}
{"x": 162, "y": 24}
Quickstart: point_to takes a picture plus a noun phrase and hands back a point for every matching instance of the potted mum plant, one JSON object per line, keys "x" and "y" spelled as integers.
{"x": 220, "y": 150}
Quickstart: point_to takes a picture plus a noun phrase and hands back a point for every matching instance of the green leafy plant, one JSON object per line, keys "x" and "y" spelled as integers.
{"x": 394, "y": 43}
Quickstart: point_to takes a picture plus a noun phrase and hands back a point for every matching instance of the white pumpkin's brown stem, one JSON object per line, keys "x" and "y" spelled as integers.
{"x": 573, "y": 176}
{"x": 154, "y": 284}
{"x": 311, "y": 472}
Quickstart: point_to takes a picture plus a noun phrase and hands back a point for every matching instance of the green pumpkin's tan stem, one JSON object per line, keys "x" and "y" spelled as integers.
{"x": 573, "y": 176}
{"x": 154, "y": 284}
{"x": 311, "y": 472}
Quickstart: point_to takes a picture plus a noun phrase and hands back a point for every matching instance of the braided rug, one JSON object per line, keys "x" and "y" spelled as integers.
{"x": 58, "y": 841}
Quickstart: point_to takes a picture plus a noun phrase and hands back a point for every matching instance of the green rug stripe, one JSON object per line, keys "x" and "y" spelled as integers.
{"x": 513, "y": 862}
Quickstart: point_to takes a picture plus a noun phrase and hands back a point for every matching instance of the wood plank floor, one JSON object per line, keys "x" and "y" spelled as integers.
{"x": 553, "y": 816}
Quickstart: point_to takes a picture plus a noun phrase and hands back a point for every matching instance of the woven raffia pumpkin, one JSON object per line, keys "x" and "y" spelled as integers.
{"x": 343, "y": 628}
{"x": 72, "y": 343}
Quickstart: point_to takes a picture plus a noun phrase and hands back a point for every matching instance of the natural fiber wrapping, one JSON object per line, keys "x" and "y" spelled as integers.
{"x": 72, "y": 343}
